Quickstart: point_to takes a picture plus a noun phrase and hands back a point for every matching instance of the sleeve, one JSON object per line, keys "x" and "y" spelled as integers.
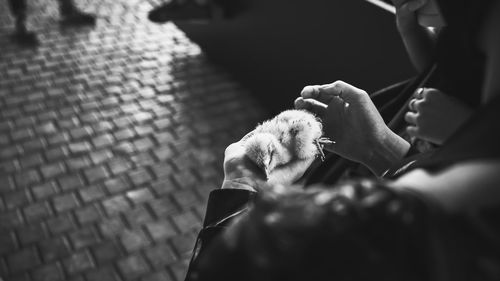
{"x": 223, "y": 206}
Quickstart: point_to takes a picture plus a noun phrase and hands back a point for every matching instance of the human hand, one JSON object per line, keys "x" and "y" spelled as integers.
{"x": 435, "y": 116}
{"x": 239, "y": 171}
{"x": 351, "y": 120}
{"x": 242, "y": 173}
{"x": 406, "y": 16}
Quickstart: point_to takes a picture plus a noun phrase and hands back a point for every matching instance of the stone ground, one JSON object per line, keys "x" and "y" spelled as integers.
{"x": 111, "y": 139}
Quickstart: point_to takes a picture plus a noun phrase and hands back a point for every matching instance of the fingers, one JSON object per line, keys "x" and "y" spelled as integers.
{"x": 325, "y": 93}
{"x": 420, "y": 97}
{"x": 411, "y": 118}
{"x": 311, "y": 105}
{"x": 412, "y": 131}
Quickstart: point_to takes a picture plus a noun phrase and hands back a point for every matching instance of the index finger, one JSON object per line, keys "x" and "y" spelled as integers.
{"x": 322, "y": 93}
{"x": 325, "y": 93}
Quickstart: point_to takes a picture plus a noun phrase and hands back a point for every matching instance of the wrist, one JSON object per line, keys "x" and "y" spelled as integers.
{"x": 386, "y": 152}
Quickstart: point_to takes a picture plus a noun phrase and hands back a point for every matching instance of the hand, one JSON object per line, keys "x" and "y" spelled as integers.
{"x": 351, "y": 120}
{"x": 239, "y": 171}
{"x": 242, "y": 173}
{"x": 434, "y": 116}
{"x": 406, "y": 16}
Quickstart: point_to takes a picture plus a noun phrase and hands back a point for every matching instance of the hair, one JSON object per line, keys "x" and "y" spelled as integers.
{"x": 352, "y": 232}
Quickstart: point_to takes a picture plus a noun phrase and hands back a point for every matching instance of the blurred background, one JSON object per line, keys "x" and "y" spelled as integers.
{"x": 112, "y": 133}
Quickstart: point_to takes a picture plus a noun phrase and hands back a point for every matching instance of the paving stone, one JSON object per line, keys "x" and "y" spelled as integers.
{"x": 103, "y": 274}
{"x": 96, "y": 173}
{"x": 16, "y": 199}
{"x": 32, "y": 160}
{"x": 141, "y": 195}
{"x": 78, "y": 262}
{"x": 158, "y": 276}
{"x": 140, "y": 176}
{"x": 37, "y": 211}
{"x": 100, "y": 156}
{"x": 54, "y": 248}
{"x": 186, "y": 197}
{"x": 92, "y": 193}
{"x": 88, "y": 214}
{"x": 163, "y": 206}
{"x": 79, "y": 147}
{"x": 116, "y": 185}
{"x": 160, "y": 255}
{"x": 119, "y": 165}
{"x": 187, "y": 221}
{"x": 122, "y": 129}
{"x": 84, "y": 237}
{"x": 107, "y": 251}
{"x": 78, "y": 163}
{"x": 27, "y": 178}
{"x": 48, "y": 272}
{"x": 160, "y": 230}
{"x": 138, "y": 216}
{"x": 23, "y": 260}
{"x": 31, "y": 233}
{"x": 60, "y": 224}
{"x": 116, "y": 204}
{"x": 7, "y": 243}
{"x": 133, "y": 240}
{"x": 56, "y": 154}
{"x": 43, "y": 191}
{"x": 183, "y": 244}
{"x": 65, "y": 202}
{"x": 133, "y": 267}
{"x": 111, "y": 227}
{"x": 103, "y": 140}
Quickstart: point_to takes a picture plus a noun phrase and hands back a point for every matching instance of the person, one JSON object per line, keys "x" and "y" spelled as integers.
{"x": 459, "y": 71}
{"x": 194, "y": 10}
{"x": 69, "y": 13}
{"x": 435, "y": 220}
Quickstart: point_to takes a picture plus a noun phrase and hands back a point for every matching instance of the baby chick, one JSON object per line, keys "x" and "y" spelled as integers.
{"x": 292, "y": 135}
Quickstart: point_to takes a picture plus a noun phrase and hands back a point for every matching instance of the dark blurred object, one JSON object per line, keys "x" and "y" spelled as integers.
{"x": 353, "y": 231}
{"x": 191, "y": 10}
{"x": 70, "y": 16}
{"x": 277, "y": 47}
{"x": 174, "y": 10}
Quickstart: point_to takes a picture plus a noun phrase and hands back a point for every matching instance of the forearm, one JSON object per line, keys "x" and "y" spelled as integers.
{"x": 419, "y": 43}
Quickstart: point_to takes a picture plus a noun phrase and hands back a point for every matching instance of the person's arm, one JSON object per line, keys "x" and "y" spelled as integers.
{"x": 419, "y": 41}
{"x": 464, "y": 186}
{"x": 242, "y": 180}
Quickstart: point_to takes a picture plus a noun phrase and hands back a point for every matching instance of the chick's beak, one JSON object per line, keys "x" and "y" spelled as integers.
{"x": 267, "y": 171}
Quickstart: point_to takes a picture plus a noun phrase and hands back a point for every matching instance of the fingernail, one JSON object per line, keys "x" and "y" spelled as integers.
{"x": 309, "y": 92}
{"x": 299, "y": 103}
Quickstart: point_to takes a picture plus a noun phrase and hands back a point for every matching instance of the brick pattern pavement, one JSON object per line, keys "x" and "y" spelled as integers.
{"x": 111, "y": 139}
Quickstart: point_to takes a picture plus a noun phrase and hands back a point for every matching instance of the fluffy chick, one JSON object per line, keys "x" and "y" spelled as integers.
{"x": 291, "y": 135}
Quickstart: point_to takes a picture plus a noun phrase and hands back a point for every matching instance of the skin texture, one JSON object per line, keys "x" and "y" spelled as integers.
{"x": 352, "y": 120}
{"x": 419, "y": 41}
{"x": 434, "y": 116}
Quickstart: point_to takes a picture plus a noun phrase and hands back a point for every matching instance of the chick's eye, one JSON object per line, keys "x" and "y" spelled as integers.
{"x": 271, "y": 154}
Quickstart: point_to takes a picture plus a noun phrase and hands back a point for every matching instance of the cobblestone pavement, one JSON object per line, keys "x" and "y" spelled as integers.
{"x": 111, "y": 139}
